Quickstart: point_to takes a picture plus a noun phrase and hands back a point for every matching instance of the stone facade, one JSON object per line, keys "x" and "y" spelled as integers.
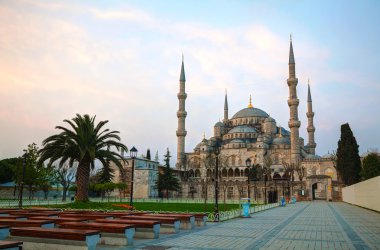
{"x": 145, "y": 177}
{"x": 286, "y": 166}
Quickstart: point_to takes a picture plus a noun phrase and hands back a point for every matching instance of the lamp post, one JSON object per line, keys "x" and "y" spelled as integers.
{"x": 248, "y": 165}
{"x": 133, "y": 153}
{"x": 216, "y": 206}
{"x": 22, "y": 180}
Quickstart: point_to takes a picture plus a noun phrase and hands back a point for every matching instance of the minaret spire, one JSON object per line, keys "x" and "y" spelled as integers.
{"x": 225, "y": 119}
{"x": 310, "y": 120}
{"x": 293, "y": 103}
{"x": 181, "y": 114}
{"x": 250, "y": 102}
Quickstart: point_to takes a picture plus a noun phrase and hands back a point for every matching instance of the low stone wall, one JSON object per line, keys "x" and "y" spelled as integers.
{"x": 364, "y": 194}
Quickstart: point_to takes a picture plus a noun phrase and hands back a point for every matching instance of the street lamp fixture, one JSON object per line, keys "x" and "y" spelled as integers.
{"x": 133, "y": 154}
{"x": 216, "y": 206}
{"x": 22, "y": 180}
{"x": 248, "y": 165}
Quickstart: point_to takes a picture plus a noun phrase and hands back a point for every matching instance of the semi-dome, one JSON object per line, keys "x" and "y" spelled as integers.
{"x": 236, "y": 141}
{"x": 250, "y": 112}
{"x": 312, "y": 157}
{"x": 269, "y": 119}
{"x": 281, "y": 140}
{"x": 242, "y": 129}
{"x": 219, "y": 124}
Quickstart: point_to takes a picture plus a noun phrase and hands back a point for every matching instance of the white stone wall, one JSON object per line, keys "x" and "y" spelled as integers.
{"x": 364, "y": 194}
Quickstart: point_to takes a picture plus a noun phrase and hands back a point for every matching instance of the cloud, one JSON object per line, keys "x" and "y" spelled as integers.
{"x": 122, "y": 64}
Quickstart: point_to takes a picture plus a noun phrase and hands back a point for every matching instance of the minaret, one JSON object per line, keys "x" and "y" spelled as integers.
{"x": 293, "y": 102}
{"x": 310, "y": 120}
{"x": 225, "y": 120}
{"x": 181, "y": 114}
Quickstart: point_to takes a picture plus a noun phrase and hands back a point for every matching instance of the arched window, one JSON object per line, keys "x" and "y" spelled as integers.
{"x": 224, "y": 172}
{"x": 197, "y": 173}
{"x": 230, "y": 173}
{"x": 208, "y": 173}
{"x": 239, "y": 162}
{"x": 237, "y": 172}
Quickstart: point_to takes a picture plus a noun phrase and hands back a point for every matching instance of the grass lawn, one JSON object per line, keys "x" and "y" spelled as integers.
{"x": 148, "y": 206}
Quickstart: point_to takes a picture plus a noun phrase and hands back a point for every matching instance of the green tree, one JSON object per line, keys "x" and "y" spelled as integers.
{"x": 371, "y": 166}
{"x": 166, "y": 180}
{"x": 83, "y": 143}
{"x": 65, "y": 176}
{"x": 7, "y": 167}
{"x": 105, "y": 174}
{"x": 348, "y": 160}
{"x": 32, "y": 169}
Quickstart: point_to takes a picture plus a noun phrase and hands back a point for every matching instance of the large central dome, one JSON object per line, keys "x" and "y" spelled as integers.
{"x": 250, "y": 112}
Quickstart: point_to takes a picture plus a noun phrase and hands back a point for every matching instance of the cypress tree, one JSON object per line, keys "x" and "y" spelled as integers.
{"x": 348, "y": 160}
{"x": 166, "y": 180}
{"x": 148, "y": 154}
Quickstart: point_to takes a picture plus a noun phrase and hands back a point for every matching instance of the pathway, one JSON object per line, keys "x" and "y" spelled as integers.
{"x": 305, "y": 225}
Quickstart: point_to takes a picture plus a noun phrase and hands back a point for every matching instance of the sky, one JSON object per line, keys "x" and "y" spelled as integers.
{"x": 120, "y": 61}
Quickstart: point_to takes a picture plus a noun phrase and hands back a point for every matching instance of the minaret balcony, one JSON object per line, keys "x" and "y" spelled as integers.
{"x": 292, "y": 81}
{"x": 181, "y": 133}
{"x": 310, "y": 114}
{"x": 311, "y": 129}
{"x": 181, "y": 114}
{"x": 181, "y": 95}
{"x": 293, "y": 102}
{"x": 294, "y": 123}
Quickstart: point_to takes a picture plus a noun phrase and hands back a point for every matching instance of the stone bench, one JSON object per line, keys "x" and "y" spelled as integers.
{"x": 55, "y": 238}
{"x": 146, "y": 229}
{"x": 111, "y": 233}
{"x": 58, "y": 220}
{"x": 12, "y": 217}
{"x": 34, "y": 214}
{"x": 168, "y": 225}
{"x": 187, "y": 220}
{"x": 89, "y": 216}
{"x": 10, "y": 245}
{"x": 201, "y": 219}
{"x": 4, "y": 231}
{"x": 28, "y": 223}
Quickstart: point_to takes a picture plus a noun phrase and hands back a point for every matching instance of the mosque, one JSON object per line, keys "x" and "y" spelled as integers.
{"x": 252, "y": 144}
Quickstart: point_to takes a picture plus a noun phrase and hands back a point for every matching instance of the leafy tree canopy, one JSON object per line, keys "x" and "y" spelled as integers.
{"x": 83, "y": 142}
{"x": 371, "y": 166}
{"x": 7, "y": 167}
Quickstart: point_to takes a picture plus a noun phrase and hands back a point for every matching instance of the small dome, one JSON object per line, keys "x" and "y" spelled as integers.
{"x": 219, "y": 124}
{"x": 281, "y": 140}
{"x": 250, "y": 112}
{"x": 312, "y": 157}
{"x": 242, "y": 129}
{"x": 202, "y": 143}
{"x": 328, "y": 156}
{"x": 269, "y": 119}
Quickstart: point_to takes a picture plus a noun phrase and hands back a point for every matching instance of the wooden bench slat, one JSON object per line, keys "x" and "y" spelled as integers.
{"x": 26, "y": 223}
{"x": 103, "y": 227}
{"x": 154, "y": 218}
{"x": 137, "y": 223}
{"x": 53, "y": 233}
{"x": 9, "y": 244}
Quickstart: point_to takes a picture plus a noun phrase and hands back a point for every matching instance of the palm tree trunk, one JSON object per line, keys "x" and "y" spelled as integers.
{"x": 82, "y": 181}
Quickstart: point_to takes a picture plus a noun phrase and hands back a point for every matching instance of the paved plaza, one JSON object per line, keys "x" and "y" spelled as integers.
{"x": 305, "y": 225}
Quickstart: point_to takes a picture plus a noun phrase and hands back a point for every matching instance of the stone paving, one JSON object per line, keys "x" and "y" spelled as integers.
{"x": 305, "y": 225}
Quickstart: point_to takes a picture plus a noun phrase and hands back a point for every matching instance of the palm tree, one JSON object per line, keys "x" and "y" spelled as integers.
{"x": 83, "y": 143}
